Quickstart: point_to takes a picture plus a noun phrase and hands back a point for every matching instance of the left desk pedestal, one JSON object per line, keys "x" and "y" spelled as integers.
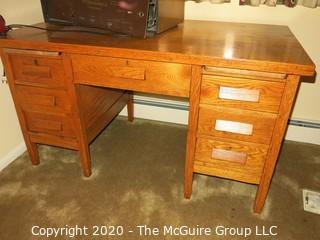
{"x": 52, "y": 109}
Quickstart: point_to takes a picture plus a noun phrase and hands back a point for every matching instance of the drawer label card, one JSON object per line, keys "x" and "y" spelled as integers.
{"x": 230, "y": 156}
{"x": 234, "y": 127}
{"x": 241, "y": 94}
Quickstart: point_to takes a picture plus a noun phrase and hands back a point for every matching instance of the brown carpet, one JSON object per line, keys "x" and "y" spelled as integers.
{"x": 138, "y": 180}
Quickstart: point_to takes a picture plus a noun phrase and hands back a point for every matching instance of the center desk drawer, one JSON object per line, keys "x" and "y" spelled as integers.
{"x": 144, "y": 76}
{"x": 235, "y": 160}
{"x": 260, "y": 95}
{"x": 238, "y": 124}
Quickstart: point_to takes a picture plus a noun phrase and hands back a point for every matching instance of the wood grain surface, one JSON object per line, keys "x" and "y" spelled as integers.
{"x": 244, "y": 125}
{"x": 242, "y": 93}
{"x": 143, "y": 76}
{"x": 230, "y": 159}
{"x": 37, "y": 70}
{"x": 44, "y": 100}
{"x": 276, "y": 141}
{"x": 195, "y": 88}
{"x": 258, "y": 47}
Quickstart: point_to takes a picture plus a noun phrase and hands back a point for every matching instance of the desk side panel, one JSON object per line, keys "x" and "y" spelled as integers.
{"x": 99, "y": 107}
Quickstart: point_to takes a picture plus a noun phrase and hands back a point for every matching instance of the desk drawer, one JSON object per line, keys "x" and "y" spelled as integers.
{"x": 242, "y": 93}
{"x": 144, "y": 76}
{"x": 50, "y": 124}
{"x": 43, "y": 99}
{"x": 37, "y": 70}
{"x": 244, "y": 125}
{"x": 235, "y": 160}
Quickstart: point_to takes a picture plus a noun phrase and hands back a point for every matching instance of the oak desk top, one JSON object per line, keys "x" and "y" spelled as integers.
{"x": 254, "y": 46}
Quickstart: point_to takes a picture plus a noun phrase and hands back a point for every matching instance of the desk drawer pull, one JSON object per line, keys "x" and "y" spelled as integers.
{"x": 234, "y": 127}
{"x": 43, "y": 100}
{"x": 40, "y": 72}
{"x": 46, "y": 125}
{"x": 128, "y": 72}
{"x": 240, "y": 94}
{"x": 230, "y": 156}
{"x": 51, "y": 124}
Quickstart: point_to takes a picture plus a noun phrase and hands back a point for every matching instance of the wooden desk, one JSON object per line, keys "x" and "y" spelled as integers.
{"x": 241, "y": 80}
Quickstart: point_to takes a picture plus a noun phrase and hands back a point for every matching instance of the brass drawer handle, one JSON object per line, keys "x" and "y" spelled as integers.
{"x": 229, "y": 156}
{"x": 234, "y": 127}
{"x": 241, "y": 94}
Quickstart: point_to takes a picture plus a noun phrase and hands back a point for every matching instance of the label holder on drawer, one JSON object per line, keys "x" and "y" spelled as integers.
{"x": 241, "y": 94}
{"x": 229, "y": 156}
{"x": 234, "y": 127}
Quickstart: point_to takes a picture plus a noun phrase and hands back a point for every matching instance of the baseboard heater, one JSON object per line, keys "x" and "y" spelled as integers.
{"x": 184, "y": 105}
{"x": 306, "y": 124}
{"x": 159, "y": 102}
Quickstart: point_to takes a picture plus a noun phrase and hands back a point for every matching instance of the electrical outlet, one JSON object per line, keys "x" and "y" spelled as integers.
{"x": 311, "y": 201}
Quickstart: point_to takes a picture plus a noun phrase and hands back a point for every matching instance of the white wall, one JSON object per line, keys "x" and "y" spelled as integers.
{"x": 11, "y": 141}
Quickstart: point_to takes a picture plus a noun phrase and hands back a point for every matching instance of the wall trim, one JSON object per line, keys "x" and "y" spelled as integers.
{"x": 303, "y": 134}
{"x": 304, "y": 123}
{"x": 12, "y": 155}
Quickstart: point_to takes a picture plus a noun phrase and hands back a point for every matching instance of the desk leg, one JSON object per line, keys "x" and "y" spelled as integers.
{"x": 85, "y": 160}
{"x": 277, "y": 137}
{"x": 32, "y": 147}
{"x": 84, "y": 152}
{"x": 83, "y": 148}
{"x": 192, "y": 129}
{"x": 130, "y": 108}
{"x": 33, "y": 152}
